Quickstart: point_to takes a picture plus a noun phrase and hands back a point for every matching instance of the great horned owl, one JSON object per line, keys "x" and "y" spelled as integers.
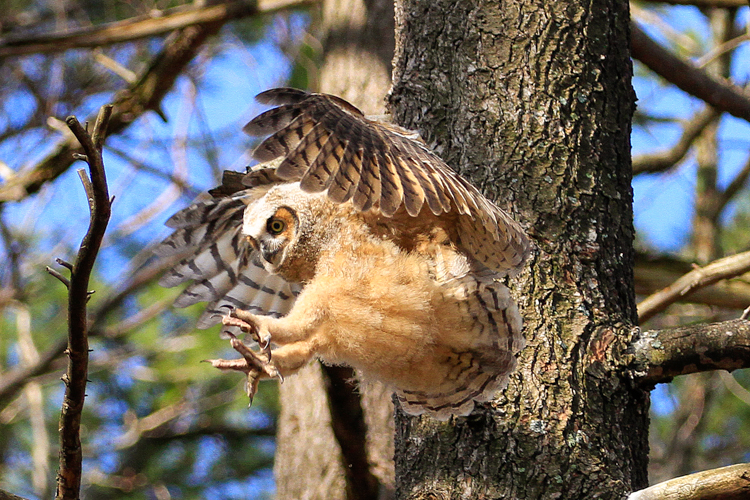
{"x": 357, "y": 245}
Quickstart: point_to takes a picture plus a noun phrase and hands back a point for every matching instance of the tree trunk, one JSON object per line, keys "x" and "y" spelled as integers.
{"x": 335, "y": 439}
{"x": 532, "y": 101}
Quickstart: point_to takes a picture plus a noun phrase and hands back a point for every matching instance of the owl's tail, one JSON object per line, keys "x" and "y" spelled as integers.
{"x": 489, "y": 359}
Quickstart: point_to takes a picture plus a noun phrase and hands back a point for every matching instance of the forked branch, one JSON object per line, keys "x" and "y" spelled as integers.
{"x": 69, "y": 473}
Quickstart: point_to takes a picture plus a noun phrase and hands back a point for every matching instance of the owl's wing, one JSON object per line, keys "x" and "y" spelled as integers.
{"x": 219, "y": 261}
{"x": 327, "y": 144}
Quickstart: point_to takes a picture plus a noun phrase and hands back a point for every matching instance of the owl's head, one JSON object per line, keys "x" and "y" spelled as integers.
{"x": 280, "y": 226}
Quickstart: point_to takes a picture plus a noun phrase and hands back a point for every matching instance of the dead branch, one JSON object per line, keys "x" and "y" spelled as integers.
{"x": 140, "y": 27}
{"x": 69, "y": 473}
{"x": 725, "y": 483}
{"x": 721, "y": 94}
{"x": 660, "y": 355}
{"x": 725, "y": 268}
{"x": 664, "y": 160}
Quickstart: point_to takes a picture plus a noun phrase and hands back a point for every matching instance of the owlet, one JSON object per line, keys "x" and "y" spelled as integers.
{"x": 355, "y": 244}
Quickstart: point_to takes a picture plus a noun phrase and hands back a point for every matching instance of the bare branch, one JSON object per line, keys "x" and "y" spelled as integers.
{"x": 722, "y": 95}
{"x": 65, "y": 281}
{"x": 655, "y": 273}
{"x": 725, "y": 483}
{"x": 146, "y": 94}
{"x": 725, "y": 268}
{"x": 722, "y": 49}
{"x": 69, "y": 473}
{"x": 660, "y": 355}
{"x": 140, "y": 27}
{"x": 664, "y": 160}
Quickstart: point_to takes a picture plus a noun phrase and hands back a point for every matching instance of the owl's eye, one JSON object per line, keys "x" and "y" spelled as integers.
{"x": 275, "y": 226}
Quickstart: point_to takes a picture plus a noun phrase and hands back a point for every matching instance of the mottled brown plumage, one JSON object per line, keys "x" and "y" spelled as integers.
{"x": 357, "y": 245}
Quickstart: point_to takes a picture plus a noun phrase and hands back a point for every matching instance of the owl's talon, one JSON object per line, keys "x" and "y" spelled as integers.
{"x": 251, "y": 364}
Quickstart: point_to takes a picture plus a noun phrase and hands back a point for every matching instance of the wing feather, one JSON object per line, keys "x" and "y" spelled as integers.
{"x": 218, "y": 260}
{"x": 329, "y": 145}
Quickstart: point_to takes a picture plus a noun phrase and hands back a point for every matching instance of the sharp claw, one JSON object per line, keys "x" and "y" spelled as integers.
{"x": 251, "y": 363}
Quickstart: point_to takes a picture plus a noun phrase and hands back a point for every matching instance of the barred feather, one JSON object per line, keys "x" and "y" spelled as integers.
{"x": 220, "y": 263}
{"x": 483, "y": 369}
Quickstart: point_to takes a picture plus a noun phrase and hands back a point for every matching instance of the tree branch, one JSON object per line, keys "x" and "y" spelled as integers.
{"x": 664, "y": 160}
{"x": 660, "y": 355}
{"x": 652, "y": 273}
{"x": 725, "y": 268}
{"x": 129, "y": 104}
{"x": 725, "y": 483}
{"x": 140, "y": 27}
{"x": 735, "y": 186}
{"x": 69, "y": 474}
{"x": 720, "y": 94}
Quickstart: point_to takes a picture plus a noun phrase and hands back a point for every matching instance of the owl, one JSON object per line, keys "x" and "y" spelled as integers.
{"x": 355, "y": 244}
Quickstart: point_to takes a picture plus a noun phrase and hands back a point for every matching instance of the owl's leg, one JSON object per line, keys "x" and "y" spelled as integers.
{"x": 294, "y": 327}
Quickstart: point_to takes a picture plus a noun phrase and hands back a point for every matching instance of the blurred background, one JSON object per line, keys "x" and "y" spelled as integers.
{"x": 159, "y": 424}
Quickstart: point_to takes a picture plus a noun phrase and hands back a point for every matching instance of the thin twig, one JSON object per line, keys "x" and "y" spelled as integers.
{"x": 69, "y": 473}
{"x": 65, "y": 264}
{"x": 728, "y": 267}
{"x": 735, "y": 186}
{"x": 65, "y": 281}
{"x": 745, "y": 314}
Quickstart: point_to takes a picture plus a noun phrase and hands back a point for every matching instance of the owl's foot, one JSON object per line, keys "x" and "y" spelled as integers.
{"x": 248, "y": 323}
{"x": 253, "y": 365}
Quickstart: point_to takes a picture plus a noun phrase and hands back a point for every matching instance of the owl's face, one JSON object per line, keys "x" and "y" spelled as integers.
{"x": 281, "y": 227}
{"x": 272, "y": 235}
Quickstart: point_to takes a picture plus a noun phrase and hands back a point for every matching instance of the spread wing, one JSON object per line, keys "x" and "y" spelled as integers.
{"x": 220, "y": 262}
{"x": 327, "y": 144}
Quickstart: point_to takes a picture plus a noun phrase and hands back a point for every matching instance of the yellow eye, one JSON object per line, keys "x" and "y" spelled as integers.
{"x": 275, "y": 226}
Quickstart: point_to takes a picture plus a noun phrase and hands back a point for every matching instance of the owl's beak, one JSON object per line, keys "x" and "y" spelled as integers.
{"x": 253, "y": 242}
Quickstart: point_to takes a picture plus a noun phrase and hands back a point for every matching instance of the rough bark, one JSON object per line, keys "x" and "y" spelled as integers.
{"x": 336, "y": 439}
{"x": 533, "y": 102}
